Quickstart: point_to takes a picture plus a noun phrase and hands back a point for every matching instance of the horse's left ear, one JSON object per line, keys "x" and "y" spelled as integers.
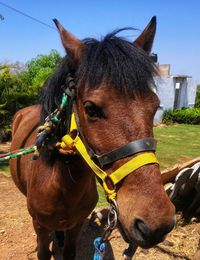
{"x": 73, "y": 46}
{"x": 145, "y": 40}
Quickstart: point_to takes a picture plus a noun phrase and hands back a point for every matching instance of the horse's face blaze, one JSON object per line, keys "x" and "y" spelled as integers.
{"x": 110, "y": 120}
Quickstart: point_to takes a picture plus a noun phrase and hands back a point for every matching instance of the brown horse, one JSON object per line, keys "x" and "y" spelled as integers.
{"x": 115, "y": 104}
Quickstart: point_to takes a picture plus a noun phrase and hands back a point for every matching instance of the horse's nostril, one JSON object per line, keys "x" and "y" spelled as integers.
{"x": 141, "y": 229}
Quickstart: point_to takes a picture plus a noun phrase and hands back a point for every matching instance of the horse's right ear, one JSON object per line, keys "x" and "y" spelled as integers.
{"x": 73, "y": 46}
{"x": 145, "y": 40}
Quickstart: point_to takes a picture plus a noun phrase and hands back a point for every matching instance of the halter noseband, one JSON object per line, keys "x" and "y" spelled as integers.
{"x": 134, "y": 147}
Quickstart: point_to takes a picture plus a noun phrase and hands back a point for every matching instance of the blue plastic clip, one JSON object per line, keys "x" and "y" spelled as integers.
{"x": 100, "y": 248}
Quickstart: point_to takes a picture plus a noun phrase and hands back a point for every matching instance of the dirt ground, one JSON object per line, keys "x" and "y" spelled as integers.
{"x": 18, "y": 240}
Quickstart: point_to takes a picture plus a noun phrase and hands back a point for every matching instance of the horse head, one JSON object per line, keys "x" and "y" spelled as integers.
{"x": 115, "y": 105}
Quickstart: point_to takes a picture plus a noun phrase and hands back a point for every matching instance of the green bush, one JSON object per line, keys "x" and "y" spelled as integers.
{"x": 167, "y": 116}
{"x": 197, "y": 100}
{"x": 183, "y": 116}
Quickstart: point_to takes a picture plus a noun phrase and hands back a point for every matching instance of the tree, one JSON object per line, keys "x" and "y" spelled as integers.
{"x": 7, "y": 82}
{"x": 20, "y": 84}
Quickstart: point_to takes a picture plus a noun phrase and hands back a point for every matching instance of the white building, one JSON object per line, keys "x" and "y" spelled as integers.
{"x": 174, "y": 91}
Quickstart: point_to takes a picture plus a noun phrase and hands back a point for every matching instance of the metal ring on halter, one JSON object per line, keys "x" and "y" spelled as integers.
{"x": 112, "y": 221}
{"x": 114, "y": 205}
{"x": 112, "y": 218}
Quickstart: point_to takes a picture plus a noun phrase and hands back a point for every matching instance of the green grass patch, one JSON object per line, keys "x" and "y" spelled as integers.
{"x": 177, "y": 144}
{"x": 102, "y": 198}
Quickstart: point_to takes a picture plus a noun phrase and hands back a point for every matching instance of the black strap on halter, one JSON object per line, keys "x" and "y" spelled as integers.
{"x": 141, "y": 145}
{"x": 70, "y": 91}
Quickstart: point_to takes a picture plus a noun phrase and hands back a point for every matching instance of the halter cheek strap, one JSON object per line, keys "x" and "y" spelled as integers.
{"x": 138, "y": 161}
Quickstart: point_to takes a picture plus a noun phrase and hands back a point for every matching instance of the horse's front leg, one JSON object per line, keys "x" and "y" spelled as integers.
{"x": 69, "y": 252}
{"x": 43, "y": 241}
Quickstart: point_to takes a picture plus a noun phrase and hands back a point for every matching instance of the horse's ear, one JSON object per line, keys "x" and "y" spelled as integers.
{"x": 73, "y": 46}
{"x": 145, "y": 40}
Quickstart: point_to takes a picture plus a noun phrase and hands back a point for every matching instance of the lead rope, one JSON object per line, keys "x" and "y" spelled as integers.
{"x": 17, "y": 153}
{"x": 100, "y": 243}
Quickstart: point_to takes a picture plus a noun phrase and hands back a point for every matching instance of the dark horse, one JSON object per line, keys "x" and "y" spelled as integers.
{"x": 115, "y": 104}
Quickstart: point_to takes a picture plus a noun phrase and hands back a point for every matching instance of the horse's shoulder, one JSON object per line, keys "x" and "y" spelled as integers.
{"x": 24, "y": 114}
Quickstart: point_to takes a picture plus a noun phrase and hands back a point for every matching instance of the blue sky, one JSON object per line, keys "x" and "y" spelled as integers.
{"x": 177, "y": 39}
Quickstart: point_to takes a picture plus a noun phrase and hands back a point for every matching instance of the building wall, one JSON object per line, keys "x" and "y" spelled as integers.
{"x": 166, "y": 92}
{"x": 192, "y": 89}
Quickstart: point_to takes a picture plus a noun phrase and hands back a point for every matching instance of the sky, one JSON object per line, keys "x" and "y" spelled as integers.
{"x": 177, "y": 40}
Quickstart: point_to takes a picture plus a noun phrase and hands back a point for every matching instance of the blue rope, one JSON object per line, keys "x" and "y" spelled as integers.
{"x": 100, "y": 248}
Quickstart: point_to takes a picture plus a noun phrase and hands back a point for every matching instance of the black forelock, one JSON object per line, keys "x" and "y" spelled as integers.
{"x": 112, "y": 60}
{"x": 116, "y": 61}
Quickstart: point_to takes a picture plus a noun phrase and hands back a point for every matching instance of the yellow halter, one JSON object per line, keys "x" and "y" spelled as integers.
{"x": 75, "y": 145}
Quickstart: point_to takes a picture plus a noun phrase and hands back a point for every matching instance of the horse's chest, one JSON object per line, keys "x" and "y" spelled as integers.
{"x": 61, "y": 217}
{"x": 61, "y": 211}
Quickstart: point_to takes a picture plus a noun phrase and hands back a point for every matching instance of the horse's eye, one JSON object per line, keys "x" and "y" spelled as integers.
{"x": 93, "y": 111}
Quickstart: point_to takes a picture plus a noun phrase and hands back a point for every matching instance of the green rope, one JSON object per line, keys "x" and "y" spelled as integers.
{"x": 18, "y": 153}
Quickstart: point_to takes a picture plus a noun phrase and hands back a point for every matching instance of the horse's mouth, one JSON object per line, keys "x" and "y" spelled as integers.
{"x": 139, "y": 241}
{"x": 149, "y": 243}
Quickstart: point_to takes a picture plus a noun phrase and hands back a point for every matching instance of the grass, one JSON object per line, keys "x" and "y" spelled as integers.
{"x": 102, "y": 199}
{"x": 176, "y": 144}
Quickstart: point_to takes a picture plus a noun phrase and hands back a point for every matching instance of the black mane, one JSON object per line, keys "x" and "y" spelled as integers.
{"x": 114, "y": 60}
